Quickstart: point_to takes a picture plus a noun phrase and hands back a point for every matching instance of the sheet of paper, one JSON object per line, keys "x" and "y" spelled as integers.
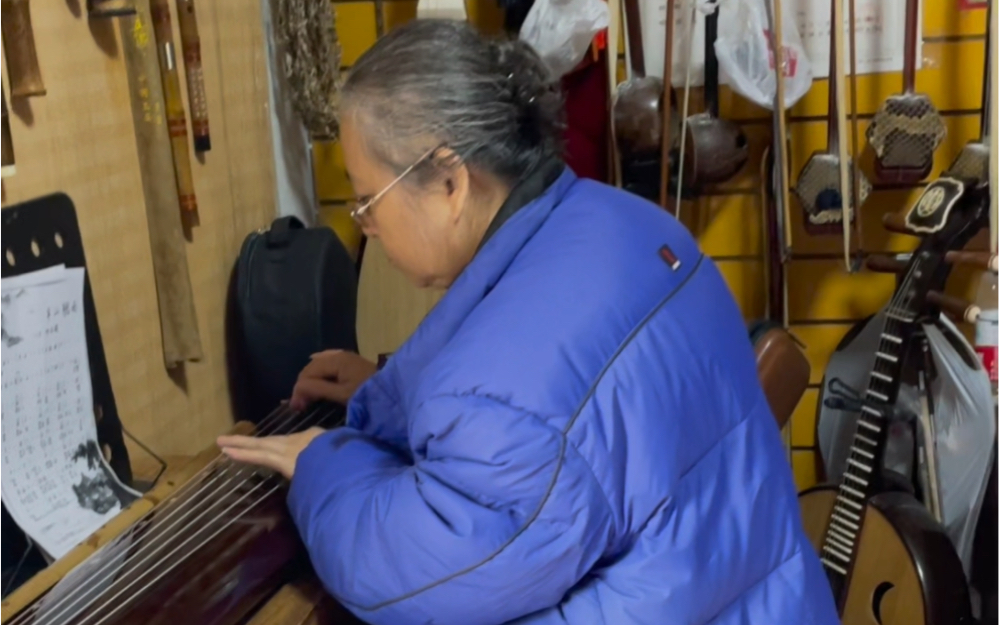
{"x": 55, "y": 481}
{"x": 880, "y": 36}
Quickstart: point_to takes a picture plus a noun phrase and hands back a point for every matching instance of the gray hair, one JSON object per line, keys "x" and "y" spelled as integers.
{"x": 439, "y": 82}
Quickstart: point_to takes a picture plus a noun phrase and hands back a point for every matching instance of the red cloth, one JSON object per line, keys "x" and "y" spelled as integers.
{"x": 587, "y": 119}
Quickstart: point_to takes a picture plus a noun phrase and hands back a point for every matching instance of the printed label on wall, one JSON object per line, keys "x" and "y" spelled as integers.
{"x": 880, "y": 36}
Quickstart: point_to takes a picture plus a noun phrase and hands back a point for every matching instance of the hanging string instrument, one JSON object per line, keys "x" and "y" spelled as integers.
{"x": 718, "y": 148}
{"x": 907, "y": 129}
{"x": 969, "y": 170}
{"x": 973, "y": 160}
{"x": 641, "y": 121}
{"x": 209, "y": 554}
{"x": 820, "y": 184}
{"x": 889, "y": 562}
{"x": 637, "y": 117}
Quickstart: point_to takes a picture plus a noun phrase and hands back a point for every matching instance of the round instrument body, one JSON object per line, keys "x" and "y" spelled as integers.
{"x": 905, "y": 570}
{"x": 716, "y": 150}
{"x": 638, "y": 119}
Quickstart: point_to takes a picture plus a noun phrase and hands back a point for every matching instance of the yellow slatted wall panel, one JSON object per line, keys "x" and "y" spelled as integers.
{"x": 824, "y": 300}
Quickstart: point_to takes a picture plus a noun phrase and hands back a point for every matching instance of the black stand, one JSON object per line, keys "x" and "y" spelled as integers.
{"x": 38, "y": 234}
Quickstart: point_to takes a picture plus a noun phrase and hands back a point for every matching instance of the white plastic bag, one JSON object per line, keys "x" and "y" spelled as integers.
{"x": 561, "y": 31}
{"x": 747, "y": 60}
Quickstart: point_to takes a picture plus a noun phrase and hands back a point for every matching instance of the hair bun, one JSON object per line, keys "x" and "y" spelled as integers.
{"x": 533, "y": 90}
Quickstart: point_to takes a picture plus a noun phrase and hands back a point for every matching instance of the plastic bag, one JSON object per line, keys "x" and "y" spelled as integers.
{"x": 747, "y": 60}
{"x": 963, "y": 417}
{"x": 561, "y": 31}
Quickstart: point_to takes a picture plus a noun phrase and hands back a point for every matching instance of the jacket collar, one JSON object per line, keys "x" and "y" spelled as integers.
{"x": 513, "y": 227}
{"x": 527, "y": 189}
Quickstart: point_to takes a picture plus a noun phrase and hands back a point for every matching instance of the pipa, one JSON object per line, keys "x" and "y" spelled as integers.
{"x": 907, "y": 129}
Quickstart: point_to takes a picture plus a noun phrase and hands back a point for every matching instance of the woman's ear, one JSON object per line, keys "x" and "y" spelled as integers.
{"x": 457, "y": 185}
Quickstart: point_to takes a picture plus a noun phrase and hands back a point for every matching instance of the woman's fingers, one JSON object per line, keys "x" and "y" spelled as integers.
{"x": 270, "y": 452}
{"x": 323, "y": 365}
{"x": 308, "y": 390}
{"x": 245, "y": 442}
{"x": 259, "y": 457}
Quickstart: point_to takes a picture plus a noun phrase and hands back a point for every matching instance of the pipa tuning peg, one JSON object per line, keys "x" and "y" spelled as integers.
{"x": 982, "y": 260}
{"x": 958, "y": 308}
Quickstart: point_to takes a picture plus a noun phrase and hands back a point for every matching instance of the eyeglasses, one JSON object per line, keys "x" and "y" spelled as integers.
{"x": 362, "y": 206}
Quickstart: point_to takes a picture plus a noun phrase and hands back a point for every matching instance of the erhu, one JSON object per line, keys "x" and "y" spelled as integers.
{"x": 819, "y": 187}
{"x": 907, "y": 129}
{"x": 637, "y": 106}
{"x": 718, "y": 148}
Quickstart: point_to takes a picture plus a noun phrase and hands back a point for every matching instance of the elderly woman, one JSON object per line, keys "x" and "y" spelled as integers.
{"x": 576, "y": 433}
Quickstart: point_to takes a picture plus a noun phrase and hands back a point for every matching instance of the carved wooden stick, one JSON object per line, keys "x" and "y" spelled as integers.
{"x": 7, "y": 167}
{"x": 178, "y": 319}
{"x": 110, "y": 8}
{"x": 666, "y": 144}
{"x": 23, "y": 73}
{"x": 965, "y": 311}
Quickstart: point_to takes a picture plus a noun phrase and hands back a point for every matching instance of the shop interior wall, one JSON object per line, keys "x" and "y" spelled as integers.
{"x": 824, "y": 300}
{"x": 79, "y": 139}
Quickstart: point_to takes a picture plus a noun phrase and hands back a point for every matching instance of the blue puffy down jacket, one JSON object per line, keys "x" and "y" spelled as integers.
{"x": 575, "y": 434}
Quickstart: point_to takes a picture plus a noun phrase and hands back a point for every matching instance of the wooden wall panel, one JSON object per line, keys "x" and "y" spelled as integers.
{"x": 824, "y": 300}
{"x": 79, "y": 139}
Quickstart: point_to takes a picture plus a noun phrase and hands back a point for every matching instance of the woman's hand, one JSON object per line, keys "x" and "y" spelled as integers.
{"x": 279, "y": 453}
{"x": 332, "y": 375}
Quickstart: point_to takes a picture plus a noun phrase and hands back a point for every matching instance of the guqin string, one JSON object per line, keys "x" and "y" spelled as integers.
{"x": 181, "y": 516}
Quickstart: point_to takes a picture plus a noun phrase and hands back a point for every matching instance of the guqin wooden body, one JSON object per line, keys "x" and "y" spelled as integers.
{"x": 208, "y": 554}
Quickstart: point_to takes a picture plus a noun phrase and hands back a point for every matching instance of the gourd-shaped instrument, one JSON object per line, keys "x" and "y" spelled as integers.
{"x": 907, "y": 129}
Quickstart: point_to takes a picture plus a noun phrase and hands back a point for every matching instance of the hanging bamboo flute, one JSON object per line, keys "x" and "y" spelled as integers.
{"x": 176, "y": 121}
{"x": 23, "y": 72}
{"x": 190, "y": 44}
